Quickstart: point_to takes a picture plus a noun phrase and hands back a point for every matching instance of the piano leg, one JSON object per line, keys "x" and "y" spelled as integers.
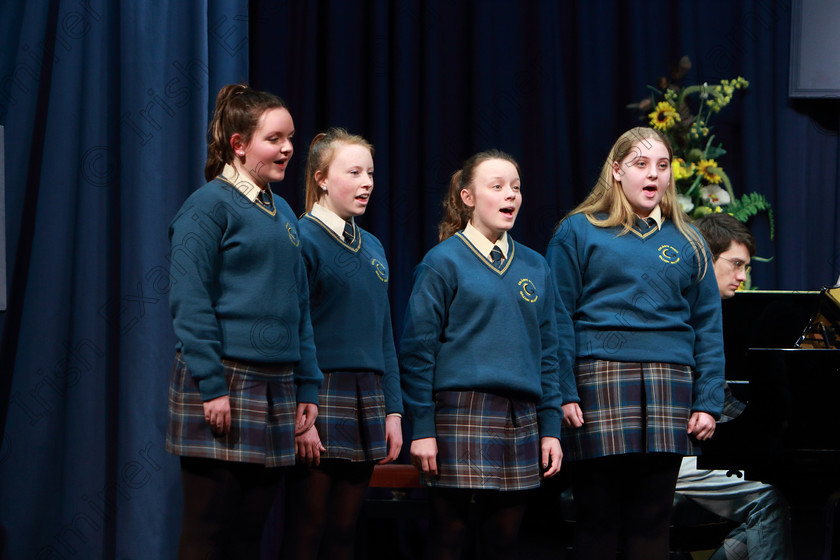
{"x": 813, "y": 526}
{"x": 830, "y": 509}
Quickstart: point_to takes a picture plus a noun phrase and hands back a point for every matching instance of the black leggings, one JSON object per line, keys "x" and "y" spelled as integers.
{"x": 225, "y": 508}
{"x": 499, "y": 516}
{"x": 633, "y": 491}
{"x": 322, "y": 507}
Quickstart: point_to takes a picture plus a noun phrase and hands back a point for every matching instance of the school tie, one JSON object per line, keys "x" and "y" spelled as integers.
{"x": 265, "y": 197}
{"x": 496, "y": 257}
{"x": 349, "y": 233}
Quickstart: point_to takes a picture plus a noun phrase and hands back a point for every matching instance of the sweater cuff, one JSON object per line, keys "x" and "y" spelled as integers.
{"x": 568, "y": 388}
{"x": 394, "y": 408}
{"x": 423, "y": 423}
{"x": 307, "y": 393}
{"x": 549, "y": 423}
{"x": 212, "y": 387}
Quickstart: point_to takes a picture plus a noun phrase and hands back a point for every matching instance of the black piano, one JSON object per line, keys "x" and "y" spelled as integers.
{"x": 789, "y": 433}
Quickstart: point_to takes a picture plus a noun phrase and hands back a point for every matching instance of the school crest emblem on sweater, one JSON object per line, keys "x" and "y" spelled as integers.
{"x": 528, "y": 291}
{"x": 381, "y": 269}
{"x": 293, "y": 237}
{"x": 669, "y": 255}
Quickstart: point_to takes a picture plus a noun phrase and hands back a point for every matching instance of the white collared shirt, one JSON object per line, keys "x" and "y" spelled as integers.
{"x": 330, "y": 219}
{"x": 483, "y": 244}
{"x": 657, "y": 216}
{"x": 243, "y": 183}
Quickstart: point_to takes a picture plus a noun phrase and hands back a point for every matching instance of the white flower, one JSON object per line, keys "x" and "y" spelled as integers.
{"x": 717, "y": 196}
{"x": 685, "y": 203}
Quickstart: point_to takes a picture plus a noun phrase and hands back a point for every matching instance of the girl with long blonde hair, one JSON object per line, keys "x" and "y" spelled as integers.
{"x": 639, "y": 317}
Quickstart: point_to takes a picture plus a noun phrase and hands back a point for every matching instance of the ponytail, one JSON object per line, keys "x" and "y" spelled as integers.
{"x": 238, "y": 110}
{"x": 456, "y": 214}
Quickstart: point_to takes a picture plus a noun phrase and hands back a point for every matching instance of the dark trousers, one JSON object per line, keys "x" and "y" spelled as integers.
{"x": 225, "y": 508}
{"x": 633, "y": 492}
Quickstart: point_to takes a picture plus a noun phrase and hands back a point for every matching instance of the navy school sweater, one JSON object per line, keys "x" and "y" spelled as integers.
{"x": 472, "y": 327}
{"x": 239, "y": 289}
{"x": 637, "y": 298}
{"x": 351, "y": 316}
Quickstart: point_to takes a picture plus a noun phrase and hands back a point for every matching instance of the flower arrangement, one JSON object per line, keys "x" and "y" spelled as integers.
{"x": 703, "y": 186}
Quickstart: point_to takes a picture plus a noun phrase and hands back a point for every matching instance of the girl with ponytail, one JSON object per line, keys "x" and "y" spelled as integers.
{"x": 478, "y": 364}
{"x": 245, "y": 379}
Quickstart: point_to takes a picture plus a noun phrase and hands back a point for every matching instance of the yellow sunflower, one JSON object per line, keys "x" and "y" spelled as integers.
{"x": 708, "y": 169}
{"x": 681, "y": 170}
{"x": 664, "y": 116}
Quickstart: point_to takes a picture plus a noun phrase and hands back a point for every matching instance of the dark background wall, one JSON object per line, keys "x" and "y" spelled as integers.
{"x": 106, "y": 105}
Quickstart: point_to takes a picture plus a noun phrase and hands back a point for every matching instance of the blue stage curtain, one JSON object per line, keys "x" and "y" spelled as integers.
{"x": 106, "y": 106}
{"x": 431, "y": 82}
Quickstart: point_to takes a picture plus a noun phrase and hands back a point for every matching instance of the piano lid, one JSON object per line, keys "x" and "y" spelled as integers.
{"x": 763, "y": 319}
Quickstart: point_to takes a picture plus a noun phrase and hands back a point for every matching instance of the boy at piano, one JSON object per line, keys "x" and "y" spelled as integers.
{"x": 763, "y": 514}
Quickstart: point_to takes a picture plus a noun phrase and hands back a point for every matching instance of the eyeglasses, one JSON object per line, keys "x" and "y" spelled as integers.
{"x": 737, "y": 264}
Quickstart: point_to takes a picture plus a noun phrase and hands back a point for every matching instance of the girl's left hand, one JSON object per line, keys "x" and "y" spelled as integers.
{"x": 217, "y": 414}
{"x": 552, "y": 456}
{"x": 308, "y": 447}
{"x": 701, "y": 425}
{"x": 393, "y": 438}
{"x": 424, "y": 455}
{"x": 305, "y": 417}
{"x": 572, "y": 415}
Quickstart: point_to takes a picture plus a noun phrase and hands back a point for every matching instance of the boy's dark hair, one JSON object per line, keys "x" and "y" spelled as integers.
{"x": 720, "y": 230}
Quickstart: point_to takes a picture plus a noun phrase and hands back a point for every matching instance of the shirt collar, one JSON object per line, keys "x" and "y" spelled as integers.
{"x": 483, "y": 244}
{"x": 657, "y": 216}
{"x": 242, "y": 182}
{"x": 330, "y": 218}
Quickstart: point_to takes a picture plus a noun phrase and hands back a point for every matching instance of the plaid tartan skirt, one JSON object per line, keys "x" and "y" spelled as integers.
{"x": 630, "y": 408}
{"x": 262, "y": 405}
{"x": 485, "y": 441}
{"x": 351, "y": 416}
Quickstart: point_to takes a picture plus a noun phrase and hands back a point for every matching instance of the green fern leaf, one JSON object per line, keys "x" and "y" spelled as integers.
{"x": 748, "y": 206}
